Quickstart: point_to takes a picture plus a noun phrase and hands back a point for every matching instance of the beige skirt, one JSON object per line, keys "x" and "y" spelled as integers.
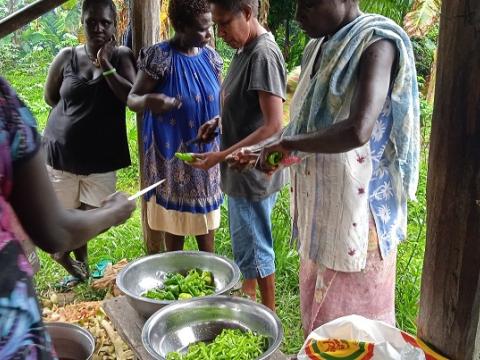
{"x": 181, "y": 223}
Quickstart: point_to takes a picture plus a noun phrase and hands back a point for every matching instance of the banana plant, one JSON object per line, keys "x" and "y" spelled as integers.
{"x": 394, "y": 9}
{"x": 417, "y": 23}
{"x": 423, "y": 16}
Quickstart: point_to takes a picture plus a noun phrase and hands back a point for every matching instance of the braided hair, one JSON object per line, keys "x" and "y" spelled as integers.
{"x": 183, "y": 12}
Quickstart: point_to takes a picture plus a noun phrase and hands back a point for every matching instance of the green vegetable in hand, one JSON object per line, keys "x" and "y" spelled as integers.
{"x": 231, "y": 344}
{"x": 274, "y": 158}
{"x": 176, "y": 286}
{"x": 187, "y": 157}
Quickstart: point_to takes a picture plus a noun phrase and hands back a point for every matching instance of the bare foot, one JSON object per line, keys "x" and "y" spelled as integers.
{"x": 249, "y": 288}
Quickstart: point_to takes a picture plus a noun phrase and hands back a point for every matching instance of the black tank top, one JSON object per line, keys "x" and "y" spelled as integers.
{"x": 86, "y": 130}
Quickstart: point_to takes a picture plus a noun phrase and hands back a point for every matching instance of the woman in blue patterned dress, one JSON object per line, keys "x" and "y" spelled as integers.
{"x": 51, "y": 227}
{"x": 177, "y": 88}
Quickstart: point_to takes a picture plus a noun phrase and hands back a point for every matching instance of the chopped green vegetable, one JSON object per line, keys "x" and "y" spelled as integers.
{"x": 187, "y": 157}
{"x": 231, "y": 344}
{"x": 274, "y": 158}
{"x": 178, "y": 287}
{"x": 183, "y": 296}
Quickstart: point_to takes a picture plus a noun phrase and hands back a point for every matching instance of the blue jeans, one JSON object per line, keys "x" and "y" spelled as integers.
{"x": 251, "y": 234}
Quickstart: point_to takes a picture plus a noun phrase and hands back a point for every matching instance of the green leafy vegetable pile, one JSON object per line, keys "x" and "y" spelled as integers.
{"x": 231, "y": 344}
{"x": 177, "y": 287}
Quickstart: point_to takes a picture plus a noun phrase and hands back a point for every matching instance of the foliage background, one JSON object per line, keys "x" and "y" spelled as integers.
{"x": 24, "y": 60}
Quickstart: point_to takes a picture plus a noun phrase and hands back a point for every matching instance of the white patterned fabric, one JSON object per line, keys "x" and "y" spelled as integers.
{"x": 334, "y": 193}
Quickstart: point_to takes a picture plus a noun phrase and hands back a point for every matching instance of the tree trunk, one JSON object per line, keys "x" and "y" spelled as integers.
{"x": 450, "y": 298}
{"x": 286, "y": 48}
{"x": 263, "y": 10}
{"x": 145, "y": 18}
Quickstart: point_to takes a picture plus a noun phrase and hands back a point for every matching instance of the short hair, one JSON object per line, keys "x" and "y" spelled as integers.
{"x": 184, "y": 11}
{"x": 88, "y": 4}
{"x": 236, "y": 6}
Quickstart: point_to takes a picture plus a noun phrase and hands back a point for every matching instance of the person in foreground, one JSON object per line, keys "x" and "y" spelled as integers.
{"x": 252, "y": 98}
{"x": 177, "y": 88}
{"x": 28, "y": 193}
{"x": 85, "y": 139}
{"x": 355, "y": 121}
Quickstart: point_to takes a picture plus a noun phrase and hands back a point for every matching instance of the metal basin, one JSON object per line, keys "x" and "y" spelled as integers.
{"x": 71, "y": 342}
{"x": 150, "y": 271}
{"x": 176, "y": 326}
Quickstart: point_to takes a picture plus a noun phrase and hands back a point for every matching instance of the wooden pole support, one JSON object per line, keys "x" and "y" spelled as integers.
{"x": 145, "y": 20}
{"x": 450, "y": 298}
{"x": 23, "y": 16}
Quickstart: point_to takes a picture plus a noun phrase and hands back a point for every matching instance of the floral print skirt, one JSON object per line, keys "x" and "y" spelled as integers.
{"x": 326, "y": 294}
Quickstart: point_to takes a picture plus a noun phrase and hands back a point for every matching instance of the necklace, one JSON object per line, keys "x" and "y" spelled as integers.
{"x": 93, "y": 59}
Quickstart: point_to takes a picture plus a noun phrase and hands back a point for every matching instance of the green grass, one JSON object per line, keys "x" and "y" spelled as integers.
{"x": 126, "y": 241}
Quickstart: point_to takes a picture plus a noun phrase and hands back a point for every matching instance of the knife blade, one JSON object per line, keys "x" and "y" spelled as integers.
{"x": 143, "y": 191}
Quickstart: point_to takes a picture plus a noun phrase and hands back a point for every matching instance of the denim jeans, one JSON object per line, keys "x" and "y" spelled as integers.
{"x": 251, "y": 234}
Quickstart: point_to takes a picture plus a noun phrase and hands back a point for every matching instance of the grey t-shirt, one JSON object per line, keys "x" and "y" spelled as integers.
{"x": 258, "y": 67}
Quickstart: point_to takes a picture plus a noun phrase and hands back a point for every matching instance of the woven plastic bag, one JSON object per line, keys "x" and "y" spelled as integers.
{"x": 354, "y": 337}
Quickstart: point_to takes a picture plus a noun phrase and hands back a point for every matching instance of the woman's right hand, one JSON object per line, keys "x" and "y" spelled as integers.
{"x": 161, "y": 103}
{"x": 120, "y": 207}
{"x": 207, "y": 131}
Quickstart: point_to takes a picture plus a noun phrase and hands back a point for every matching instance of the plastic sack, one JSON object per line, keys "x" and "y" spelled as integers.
{"x": 354, "y": 337}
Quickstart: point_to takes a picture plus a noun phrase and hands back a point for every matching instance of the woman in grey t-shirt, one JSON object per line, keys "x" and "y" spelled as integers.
{"x": 252, "y": 108}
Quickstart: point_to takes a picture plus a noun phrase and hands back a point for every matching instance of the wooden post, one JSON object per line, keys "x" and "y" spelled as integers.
{"x": 450, "y": 297}
{"x": 23, "y": 16}
{"x": 145, "y": 18}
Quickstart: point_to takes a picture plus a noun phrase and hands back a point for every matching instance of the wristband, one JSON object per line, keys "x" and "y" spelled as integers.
{"x": 109, "y": 72}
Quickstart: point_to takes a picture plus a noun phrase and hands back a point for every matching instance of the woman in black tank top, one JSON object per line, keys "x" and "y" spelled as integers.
{"x": 87, "y": 87}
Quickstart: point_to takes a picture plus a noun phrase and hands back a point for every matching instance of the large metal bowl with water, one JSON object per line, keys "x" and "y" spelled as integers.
{"x": 149, "y": 272}
{"x": 179, "y": 325}
{"x": 71, "y": 341}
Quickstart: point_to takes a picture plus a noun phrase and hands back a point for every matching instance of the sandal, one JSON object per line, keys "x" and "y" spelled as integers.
{"x": 100, "y": 268}
{"x": 67, "y": 283}
{"x": 81, "y": 269}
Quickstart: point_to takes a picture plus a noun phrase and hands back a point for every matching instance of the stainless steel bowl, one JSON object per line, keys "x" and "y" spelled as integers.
{"x": 150, "y": 271}
{"x": 71, "y": 341}
{"x": 176, "y": 326}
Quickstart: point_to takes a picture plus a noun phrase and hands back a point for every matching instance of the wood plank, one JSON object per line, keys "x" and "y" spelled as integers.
{"x": 23, "y": 16}
{"x": 450, "y": 297}
{"x": 129, "y": 326}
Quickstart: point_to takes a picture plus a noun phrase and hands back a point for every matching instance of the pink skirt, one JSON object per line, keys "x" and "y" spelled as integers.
{"x": 326, "y": 294}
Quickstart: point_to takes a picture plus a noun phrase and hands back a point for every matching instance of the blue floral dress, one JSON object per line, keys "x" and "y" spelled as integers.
{"x": 22, "y": 334}
{"x": 185, "y": 203}
{"x": 388, "y": 207}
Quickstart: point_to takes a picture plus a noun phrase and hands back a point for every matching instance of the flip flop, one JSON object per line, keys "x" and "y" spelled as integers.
{"x": 81, "y": 269}
{"x": 100, "y": 268}
{"x": 67, "y": 283}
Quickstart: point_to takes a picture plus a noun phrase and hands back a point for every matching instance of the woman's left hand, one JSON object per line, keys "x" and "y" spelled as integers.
{"x": 242, "y": 159}
{"x": 206, "y": 161}
{"x": 105, "y": 53}
{"x": 263, "y": 163}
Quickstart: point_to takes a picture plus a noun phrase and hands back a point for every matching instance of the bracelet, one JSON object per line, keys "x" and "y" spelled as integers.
{"x": 109, "y": 72}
